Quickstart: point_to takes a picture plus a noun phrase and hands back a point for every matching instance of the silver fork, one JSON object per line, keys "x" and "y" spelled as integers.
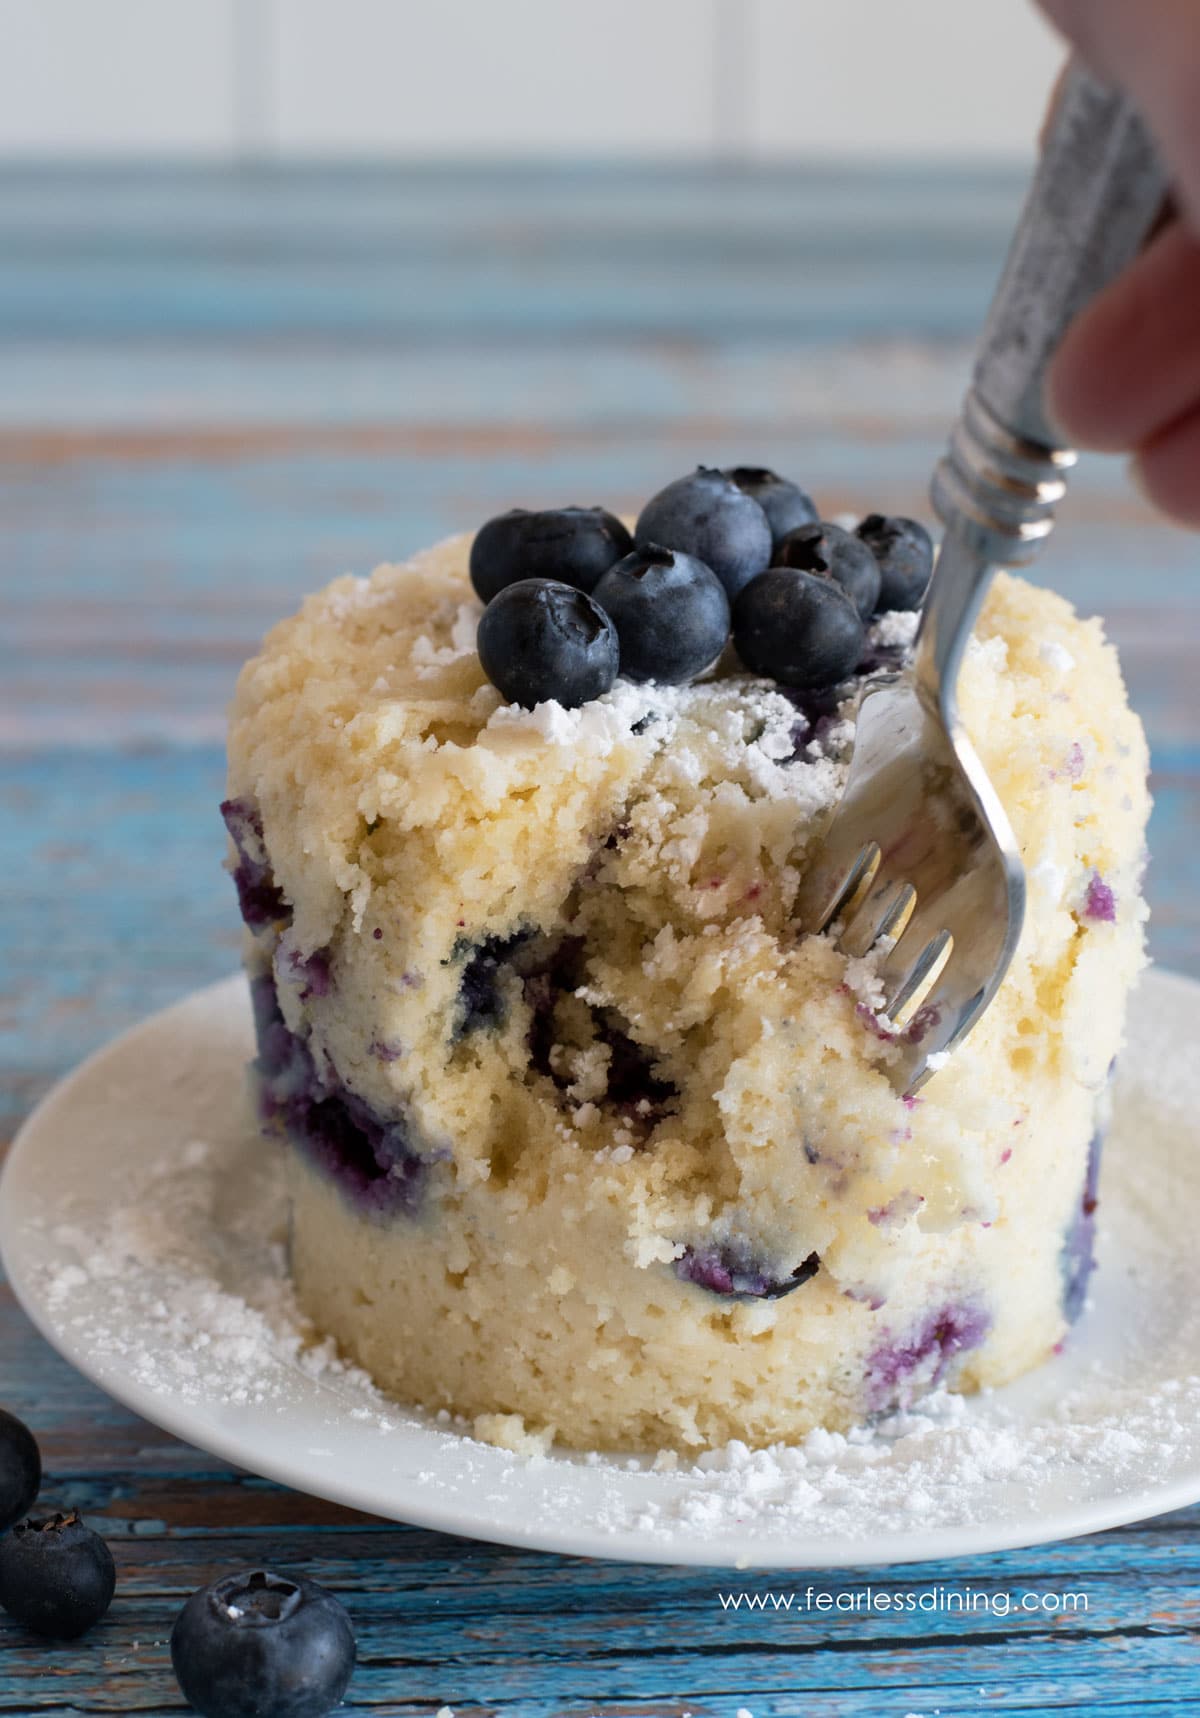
{"x": 920, "y": 859}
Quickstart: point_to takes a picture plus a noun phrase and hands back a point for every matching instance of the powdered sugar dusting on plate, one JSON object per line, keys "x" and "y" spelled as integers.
{"x": 184, "y": 1284}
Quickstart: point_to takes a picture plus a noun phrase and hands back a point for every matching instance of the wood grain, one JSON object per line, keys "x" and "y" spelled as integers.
{"x": 222, "y": 388}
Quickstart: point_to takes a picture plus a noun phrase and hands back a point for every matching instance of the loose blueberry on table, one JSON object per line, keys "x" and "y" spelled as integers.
{"x": 56, "y": 1576}
{"x": 670, "y": 611}
{"x": 542, "y": 639}
{"x": 261, "y": 1645}
{"x": 20, "y": 1469}
{"x": 828, "y": 550}
{"x": 574, "y": 545}
{"x": 904, "y": 551}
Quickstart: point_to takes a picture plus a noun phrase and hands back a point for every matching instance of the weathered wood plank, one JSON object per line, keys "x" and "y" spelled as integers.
{"x": 220, "y": 390}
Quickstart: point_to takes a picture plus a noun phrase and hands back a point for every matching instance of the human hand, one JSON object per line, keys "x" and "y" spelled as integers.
{"x": 1127, "y": 376}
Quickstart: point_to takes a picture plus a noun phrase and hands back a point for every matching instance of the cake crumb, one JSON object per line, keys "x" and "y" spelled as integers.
{"x": 509, "y": 1432}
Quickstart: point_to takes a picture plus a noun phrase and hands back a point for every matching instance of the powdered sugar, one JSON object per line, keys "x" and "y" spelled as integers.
{"x": 942, "y": 1462}
{"x": 155, "y": 1249}
{"x": 897, "y": 629}
{"x": 186, "y": 1288}
{"x": 189, "y": 1290}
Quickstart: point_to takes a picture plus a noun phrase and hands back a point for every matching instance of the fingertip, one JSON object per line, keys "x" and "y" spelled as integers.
{"x": 1167, "y": 471}
{"x": 1078, "y": 395}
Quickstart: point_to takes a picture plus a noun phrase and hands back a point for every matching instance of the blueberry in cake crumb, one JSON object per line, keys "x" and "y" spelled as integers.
{"x": 904, "y": 551}
{"x": 670, "y": 611}
{"x": 369, "y": 1157}
{"x": 785, "y": 504}
{"x": 798, "y": 628}
{"x": 263, "y": 1646}
{"x": 552, "y": 974}
{"x": 312, "y": 972}
{"x": 833, "y": 553}
{"x": 20, "y": 1469}
{"x": 707, "y": 515}
{"x": 574, "y": 545}
{"x": 259, "y": 898}
{"x": 729, "y": 1270}
{"x": 924, "y": 1357}
{"x": 1100, "y": 902}
{"x": 541, "y": 639}
{"x": 632, "y": 1087}
{"x": 480, "y": 1000}
{"x": 56, "y": 1576}
{"x": 1078, "y": 1259}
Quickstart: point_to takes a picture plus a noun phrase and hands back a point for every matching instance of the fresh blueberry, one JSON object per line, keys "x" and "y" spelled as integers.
{"x": 263, "y": 1646}
{"x": 541, "y": 639}
{"x": 785, "y": 504}
{"x": 904, "y": 550}
{"x": 798, "y": 628}
{"x": 56, "y": 1576}
{"x": 708, "y": 516}
{"x": 574, "y": 545}
{"x": 20, "y": 1469}
{"x": 670, "y": 611}
{"x": 829, "y": 550}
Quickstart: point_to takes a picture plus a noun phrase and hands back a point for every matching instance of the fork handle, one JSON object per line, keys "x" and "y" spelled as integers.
{"x": 1095, "y": 196}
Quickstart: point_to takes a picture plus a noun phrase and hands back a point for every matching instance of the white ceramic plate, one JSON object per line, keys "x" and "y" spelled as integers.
{"x": 141, "y": 1224}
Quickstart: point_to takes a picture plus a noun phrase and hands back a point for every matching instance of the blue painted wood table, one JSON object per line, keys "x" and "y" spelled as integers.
{"x": 219, "y": 389}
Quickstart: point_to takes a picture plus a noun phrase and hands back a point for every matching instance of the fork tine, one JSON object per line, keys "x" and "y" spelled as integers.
{"x": 922, "y": 976}
{"x": 885, "y": 913}
{"x": 852, "y": 890}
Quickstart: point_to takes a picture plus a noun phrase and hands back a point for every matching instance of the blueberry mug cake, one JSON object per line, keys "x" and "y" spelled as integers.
{"x": 583, "y": 1139}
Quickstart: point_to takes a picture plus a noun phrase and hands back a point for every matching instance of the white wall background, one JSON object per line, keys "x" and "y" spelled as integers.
{"x": 681, "y": 78}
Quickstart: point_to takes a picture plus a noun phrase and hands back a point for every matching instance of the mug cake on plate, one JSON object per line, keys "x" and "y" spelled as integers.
{"x": 584, "y": 1139}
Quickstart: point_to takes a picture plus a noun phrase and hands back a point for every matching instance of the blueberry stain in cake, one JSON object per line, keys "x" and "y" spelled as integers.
{"x": 1100, "y": 902}
{"x": 1078, "y": 1260}
{"x": 785, "y": 504}
{"x": 634, "y": 1088}
{"x": 371, "y": 1158}
{"x": 834, "y": 554}
{"x": 670, "y": 611}
{"x": 541, "y": 639}
{"x": 312, "y": 972}
{"x": 481, "y": 1001}
{"x": 575, "y": 545}
{"x": 260, "y": 899}
{"x": 708, "y": 516}
{"x": 925, "y": 1356}
{"x": 731, "y": 1271}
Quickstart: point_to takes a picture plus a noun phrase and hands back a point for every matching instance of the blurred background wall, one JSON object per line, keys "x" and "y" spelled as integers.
{"x": 691, "y": 79}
